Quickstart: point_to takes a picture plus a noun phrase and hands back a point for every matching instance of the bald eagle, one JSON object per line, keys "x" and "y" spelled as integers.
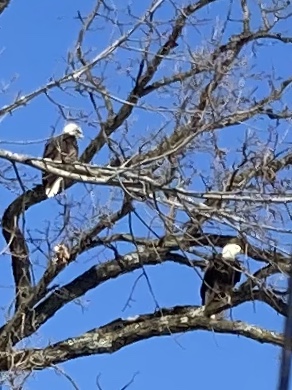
{"x": 221, "y": 275}
{"x": 63, "y": 148}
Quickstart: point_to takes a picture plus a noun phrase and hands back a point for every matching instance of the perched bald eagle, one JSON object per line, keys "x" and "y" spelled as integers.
{"x": 62, "y": 148}
{"x": 221, "y": 275}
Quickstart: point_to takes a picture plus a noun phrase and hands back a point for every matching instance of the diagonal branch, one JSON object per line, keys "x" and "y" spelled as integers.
{"x": 114, "y": 123}
{"x": 86, "y": 241}
{"x": 183, "y": 135}
{"x": 20, "y": 326}
{"x": 3, "y": 4}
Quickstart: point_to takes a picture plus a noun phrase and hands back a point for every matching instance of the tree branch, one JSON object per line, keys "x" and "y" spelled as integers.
{"x": 23, "y": 326}
{"x": 3, "y": 5}
{"x": 120, "y": 333}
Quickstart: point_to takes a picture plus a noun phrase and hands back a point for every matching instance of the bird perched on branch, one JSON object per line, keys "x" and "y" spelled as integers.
{"x": 63, "y": 148}
{"x": 62, "y": 254}
{"x": 221, "y": 275}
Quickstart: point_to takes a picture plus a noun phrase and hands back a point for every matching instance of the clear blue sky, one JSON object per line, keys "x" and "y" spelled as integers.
{"x": 36, "y": 37}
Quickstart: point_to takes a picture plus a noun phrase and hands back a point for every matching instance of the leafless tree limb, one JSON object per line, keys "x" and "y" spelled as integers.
{"x": 116, "y": 335}
{"x": 3, "y": 4}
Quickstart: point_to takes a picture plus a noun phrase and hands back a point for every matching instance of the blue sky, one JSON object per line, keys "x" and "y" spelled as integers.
{"x": 36, "y": 37}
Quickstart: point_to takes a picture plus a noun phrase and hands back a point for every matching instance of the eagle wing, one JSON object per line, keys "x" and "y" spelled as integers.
{"x": 63, "y": 148}
{"x": 220, "y": 276}
{"x": 208, "y": 282}
{"x": 69, "y": 149}
{"x": 51, "y": 149}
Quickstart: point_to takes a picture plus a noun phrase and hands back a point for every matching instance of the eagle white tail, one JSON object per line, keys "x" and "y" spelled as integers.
{"x": 209, "y": 297}
{"x": 54, "y": 188}
{"x": 218, "y": 316}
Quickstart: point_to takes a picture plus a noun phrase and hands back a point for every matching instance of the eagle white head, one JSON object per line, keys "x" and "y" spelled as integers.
{"x": 234, "y": 247}
{"x": 231, "y": 250}
{"x": 73, "y": 129}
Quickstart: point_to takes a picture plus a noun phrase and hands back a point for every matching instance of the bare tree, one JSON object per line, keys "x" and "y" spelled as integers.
{"x": 191, "y": 146}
